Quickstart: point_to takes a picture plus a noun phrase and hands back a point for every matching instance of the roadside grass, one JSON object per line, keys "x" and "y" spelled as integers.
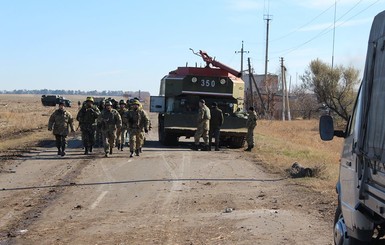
{"x": 23, "y": 121}
{"x": 279, "y": 144}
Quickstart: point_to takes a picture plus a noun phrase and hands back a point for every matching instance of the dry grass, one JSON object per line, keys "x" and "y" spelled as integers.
{"x": 23, "y": 121}
{"x": 280, "y": 144}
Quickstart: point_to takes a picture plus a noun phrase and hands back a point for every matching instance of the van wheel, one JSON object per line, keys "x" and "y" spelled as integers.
{"x": 340, "y": 231}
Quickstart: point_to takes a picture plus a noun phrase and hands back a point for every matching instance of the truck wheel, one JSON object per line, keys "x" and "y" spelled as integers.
{"x": 170, "y": 139}
{"x": 340, "y": 231}
{"x": 237, "y": 142}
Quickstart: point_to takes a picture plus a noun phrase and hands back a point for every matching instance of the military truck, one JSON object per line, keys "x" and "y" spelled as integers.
{"x": 53, "y": 100}
{"x": 180, "y": 92}
{"x": 360, "y": 214}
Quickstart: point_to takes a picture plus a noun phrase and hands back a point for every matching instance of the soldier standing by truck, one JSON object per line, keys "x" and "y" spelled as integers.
{"x": 59, "y": 123}
{"x": 203, "y": 126}
{"x": 216, "y": 122}
{"x": 109, "y": 120}
{"x": 137, "y": 121}
{"x": 87, "y": 122}
{"x": 121, "y": 133}
{"x": 251, "y": 123}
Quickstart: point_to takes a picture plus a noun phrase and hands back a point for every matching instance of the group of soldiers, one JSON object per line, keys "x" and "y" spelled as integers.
{"x": 209, "y": 123}
{"x": 112, "y": 123}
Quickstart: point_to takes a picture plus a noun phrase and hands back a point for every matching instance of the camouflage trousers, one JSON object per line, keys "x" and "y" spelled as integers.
{"x": 88, "y": 135}
{"x": 121, "y": 136}
{"x": 250, "y": 136}
{"x": 61, "y": 141}
{"x": 136, "y": 139}
{"x": 201, "y": 132}
{"x": 109, "y": 137}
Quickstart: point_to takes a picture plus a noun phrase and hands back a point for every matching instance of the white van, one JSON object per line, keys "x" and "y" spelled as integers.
{"x": 360, "y": 215}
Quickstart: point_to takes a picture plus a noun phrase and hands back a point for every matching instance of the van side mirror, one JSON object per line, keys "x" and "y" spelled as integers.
{"x": 326, "y": 128}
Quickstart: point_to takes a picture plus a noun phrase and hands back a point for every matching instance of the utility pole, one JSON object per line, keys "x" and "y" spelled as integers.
{"x": 250, "y": 83}
{"x": 283, "y": 90}
{"x": 242, "y": 52}
{"x": 334, "y": 31}
{"x": 285, "y": 94}
{"x": 267, "y": 18}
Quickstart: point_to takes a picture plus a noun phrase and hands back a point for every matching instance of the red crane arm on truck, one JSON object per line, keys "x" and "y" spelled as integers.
{"x": 209, "y": 60}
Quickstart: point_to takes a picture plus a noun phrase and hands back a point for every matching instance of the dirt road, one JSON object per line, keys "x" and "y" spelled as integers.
{"x": 165, "y": 196}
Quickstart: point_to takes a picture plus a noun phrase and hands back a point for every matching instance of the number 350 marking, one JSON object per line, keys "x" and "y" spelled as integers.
{"x": 207, "y": 83}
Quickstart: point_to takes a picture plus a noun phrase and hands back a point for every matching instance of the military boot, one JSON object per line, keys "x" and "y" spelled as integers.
{"x": 63, "y": 151}
{"x": 118, "y": 145}
{"x": 110, "y": 150}
{"x": 216, "y": 148}
{"x": 106, "y": 154}
{"x": 90, "y": 148}
{"x": 58, "y": 151}
{"x": 137, "y": 152}
{"x": 132, "y": 154}
{"x": 195, "y": 147}
{"x": 140, "y": 149}
{"x": 121, "y": 147}
{"x": 85, "y": 150}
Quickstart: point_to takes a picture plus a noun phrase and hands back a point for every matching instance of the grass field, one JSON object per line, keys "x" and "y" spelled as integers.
{"x": 279, "y": 144}
{"x": 23, "y": 121}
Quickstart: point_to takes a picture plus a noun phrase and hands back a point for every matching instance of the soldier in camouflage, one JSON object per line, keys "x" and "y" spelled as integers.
{"x": 59, "y": 123}
{"x": 203, "y": 127}
{"x": 137, "y": 121}
{"x": 251, "y": 123}
{"x": 216, "y": 122}
{"x": 121, "y": 133}
{"x": 87, "y": 122}
{"x": 99, "y": 140}
{"x": 109, "y": 120}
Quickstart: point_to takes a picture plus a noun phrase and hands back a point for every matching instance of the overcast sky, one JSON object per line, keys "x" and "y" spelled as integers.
{"x": 131, "y": 45}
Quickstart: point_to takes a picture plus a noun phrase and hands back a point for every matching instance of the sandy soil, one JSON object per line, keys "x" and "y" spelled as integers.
{"x": 165, "y": 196}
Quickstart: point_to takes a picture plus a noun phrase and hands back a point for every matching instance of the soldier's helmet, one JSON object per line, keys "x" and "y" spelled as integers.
{"x": 122, "y": 102}
{"x": 108, "y": 103}
{"x": 90, "y": 99}
{"x": 135, "y": 102}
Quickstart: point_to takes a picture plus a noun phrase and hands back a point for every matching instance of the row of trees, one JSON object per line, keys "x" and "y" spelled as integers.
{"x": 63, "y": 92}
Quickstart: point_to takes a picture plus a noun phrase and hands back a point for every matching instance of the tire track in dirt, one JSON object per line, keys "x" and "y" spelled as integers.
{"x": 43, "y": 201}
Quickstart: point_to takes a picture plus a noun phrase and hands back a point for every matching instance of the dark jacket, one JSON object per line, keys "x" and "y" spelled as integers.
{"x": 217, "y": 119}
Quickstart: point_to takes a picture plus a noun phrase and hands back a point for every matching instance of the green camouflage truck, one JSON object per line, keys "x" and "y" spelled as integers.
{"x": 180, "y": 92}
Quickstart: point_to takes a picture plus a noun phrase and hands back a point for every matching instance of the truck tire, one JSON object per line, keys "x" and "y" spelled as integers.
{"x": 170, "y": 139}
{"x": 237, "y": 142}
{"x": 339, "y": 231}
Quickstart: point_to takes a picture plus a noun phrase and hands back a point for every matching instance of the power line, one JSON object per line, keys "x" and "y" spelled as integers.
{"x": 304, "y": 25}
{"x": 327, "y": 29}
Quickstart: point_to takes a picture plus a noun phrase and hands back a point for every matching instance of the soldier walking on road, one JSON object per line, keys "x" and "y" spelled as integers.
{"x": 251, "y": 123}
{"x": 216, "y": 122}
{"x": 109, "y": 120}
{"x": 87, "y": 121}
{"x": 59, "y": 123}
{"x": 137, "y": 121}
{"x": 121, "y": 133}
{"x": 203, "y": 126}
{"x": 99, "y": 141}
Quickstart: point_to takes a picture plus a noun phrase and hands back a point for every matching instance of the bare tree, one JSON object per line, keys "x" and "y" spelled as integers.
{"x": 305, "y": 102}
{"x": 333, "y": 87}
